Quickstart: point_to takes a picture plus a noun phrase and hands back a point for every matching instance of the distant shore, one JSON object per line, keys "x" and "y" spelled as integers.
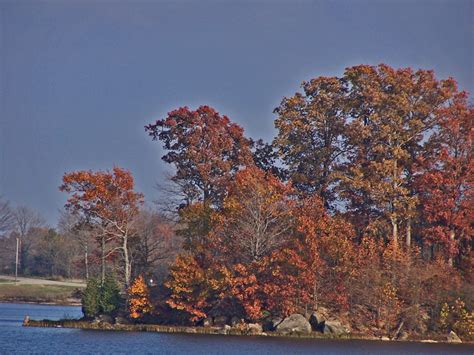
{"x": 39, "y": 291}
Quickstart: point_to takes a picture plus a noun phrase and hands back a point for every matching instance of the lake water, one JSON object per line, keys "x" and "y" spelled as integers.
{"x": 15, "y": 339}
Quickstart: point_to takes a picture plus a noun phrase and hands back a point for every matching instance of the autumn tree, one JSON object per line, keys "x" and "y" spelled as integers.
{"x": 196, "y": 285}
{"x": 139, "y": 298}
{"x": 390, "y": 111}
{"x": 446, "y": 180}
{"x": 310, "y": 136}
{"x": 205, "y": 148}
{"x": 107, "y": 201}
{"x": 256, "y": 218}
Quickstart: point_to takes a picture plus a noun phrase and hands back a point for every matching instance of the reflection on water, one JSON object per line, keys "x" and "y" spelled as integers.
{"x": 14, "y": 339}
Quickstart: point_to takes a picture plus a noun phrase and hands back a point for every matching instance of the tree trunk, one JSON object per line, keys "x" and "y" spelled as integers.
{"x": 126, "y": 262}
{"x": 86, "y": 262}
{"x": 102, "y": 277}
{"x": 408, "y": 240}
{"x": 16, "y": 259}
{"x": 451, "y": 242}
{"x": 394, "y": 230}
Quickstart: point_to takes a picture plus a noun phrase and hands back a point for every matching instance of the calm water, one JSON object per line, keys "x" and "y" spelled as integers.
{"x": 14, "y": 339}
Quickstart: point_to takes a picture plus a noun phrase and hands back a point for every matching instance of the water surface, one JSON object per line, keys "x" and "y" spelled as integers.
{"x": 15, "y": 339}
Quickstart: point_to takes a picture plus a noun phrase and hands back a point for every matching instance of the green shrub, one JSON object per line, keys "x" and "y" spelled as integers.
{"x": 109, "y": 299}
{"x": 100, "y": 299}
{"x": 90, "y": 298}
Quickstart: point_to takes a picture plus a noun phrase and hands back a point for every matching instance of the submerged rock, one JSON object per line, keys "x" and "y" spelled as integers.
{"x": 295, "y": 323}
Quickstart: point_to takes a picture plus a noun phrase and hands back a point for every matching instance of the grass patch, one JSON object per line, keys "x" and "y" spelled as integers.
{"x": 36, "y": 293}
{"x": 5, "y": 281}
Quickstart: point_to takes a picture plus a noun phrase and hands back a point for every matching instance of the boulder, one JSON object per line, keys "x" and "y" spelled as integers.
{"x": 271, "y": 323}
{"x": 295, "y": 323}
{"x": 207, "y": 322}
{"x": 254, "y": 328}
{"x": 453, "y": 338}
{"x": 334, "y": 327}
{"x": 317, "y": 319}
{"x": 220, "y": 321}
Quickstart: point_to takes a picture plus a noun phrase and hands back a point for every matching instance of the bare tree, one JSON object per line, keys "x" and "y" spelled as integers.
{"x": 78, "y": 234}
{"x": 26, "y": 221}
{"x": 6, "y": 217}
{"x": 156, "y": 241}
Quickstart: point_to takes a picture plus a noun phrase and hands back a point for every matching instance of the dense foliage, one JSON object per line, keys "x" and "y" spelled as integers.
{"x": 316, "y": 218}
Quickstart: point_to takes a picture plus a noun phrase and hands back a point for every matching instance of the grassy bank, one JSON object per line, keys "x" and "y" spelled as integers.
{"x": 56, "y": 294}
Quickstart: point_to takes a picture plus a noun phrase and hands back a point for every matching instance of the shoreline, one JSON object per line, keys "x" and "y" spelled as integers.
{"x": 75, "y": 303}
{"x": 88, "y": 325}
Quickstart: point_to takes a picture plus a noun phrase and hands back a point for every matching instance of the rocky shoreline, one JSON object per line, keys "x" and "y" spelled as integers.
{"x": 244, "y": 330}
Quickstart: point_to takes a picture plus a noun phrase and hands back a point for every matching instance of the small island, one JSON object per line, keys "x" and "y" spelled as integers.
{"x": 355, "y": 222}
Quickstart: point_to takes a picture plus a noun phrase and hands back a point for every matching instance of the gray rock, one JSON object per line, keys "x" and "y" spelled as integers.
{"x": 254, "y": 328}
{"x": 317, "y": 319}
{"x": 295, "y": 323}
{"x": 453, "y": 338}
{"x": 334, "y": 327}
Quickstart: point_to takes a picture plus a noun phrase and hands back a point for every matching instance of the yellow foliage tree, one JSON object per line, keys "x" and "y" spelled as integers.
{"x": 139, "y": 298}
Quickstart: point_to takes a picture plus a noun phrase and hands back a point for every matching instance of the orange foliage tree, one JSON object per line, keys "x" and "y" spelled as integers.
{"x": 139, "y": 298}
{"x": 206, "y": 149}
{"x": 107, "y": 201}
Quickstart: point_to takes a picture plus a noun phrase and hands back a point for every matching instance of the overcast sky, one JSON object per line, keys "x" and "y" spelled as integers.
{"x": 80, "y": 79}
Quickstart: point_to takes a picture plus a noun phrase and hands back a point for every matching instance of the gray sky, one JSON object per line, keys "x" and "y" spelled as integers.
{"x": 80, "y": 79}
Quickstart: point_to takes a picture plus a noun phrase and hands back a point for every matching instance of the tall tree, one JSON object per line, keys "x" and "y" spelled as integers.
{"x": 107, "y": 201}
{"x": 390, "y": 111}
{"x": 310, "y": 135}
{"x": 446, "y": 179}
{"x": 205, "y": 148}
